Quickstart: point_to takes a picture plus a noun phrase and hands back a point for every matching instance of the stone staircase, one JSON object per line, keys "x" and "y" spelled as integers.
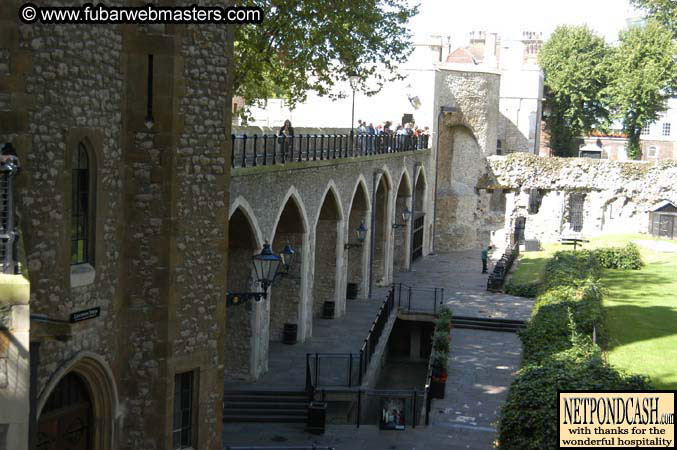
{"x": 480, "y": 323}
{"x": 266, "y": 406}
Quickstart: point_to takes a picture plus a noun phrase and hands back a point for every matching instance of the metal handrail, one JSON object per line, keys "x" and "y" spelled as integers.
{"x": 363, "y": 357}
{"x": 405, "y": 304}
{"x": 268, "y": 149}
{"x": 9, "y": 235}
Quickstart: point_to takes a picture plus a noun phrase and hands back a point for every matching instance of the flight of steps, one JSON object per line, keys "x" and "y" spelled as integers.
{"x": 480, "y": 323}
{"x": 265, "y": 406}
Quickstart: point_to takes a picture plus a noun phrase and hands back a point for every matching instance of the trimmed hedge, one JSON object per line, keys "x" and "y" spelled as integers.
{"x": 558, "y": 352}
{"x": 528, "y": 290}
{"x": 627, "y": 258}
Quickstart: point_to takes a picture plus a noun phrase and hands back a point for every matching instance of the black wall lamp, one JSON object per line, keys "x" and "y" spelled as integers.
{"x": 267, "y": 265}
{"x": 406, "y": 215}
{"x": 361, "y": 234}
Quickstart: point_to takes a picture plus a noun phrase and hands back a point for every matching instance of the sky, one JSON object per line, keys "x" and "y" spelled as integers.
{"x": 458, "y": 17}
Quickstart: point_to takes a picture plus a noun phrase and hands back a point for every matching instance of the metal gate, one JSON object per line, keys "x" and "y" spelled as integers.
{"x": 417, "y": 243}
{"x": 666, "y": 226}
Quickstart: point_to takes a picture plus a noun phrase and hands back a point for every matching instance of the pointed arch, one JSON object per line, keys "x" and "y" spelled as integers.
{"x": 402, "y": 228}
{"x": 330, "y": 189}
{"x": 361, "y": 183}
{"x": 293, "y": 195}
{"x": 99, "y": 380}
{"x": 328, "y": 234}
{"x": 241, "y": 203}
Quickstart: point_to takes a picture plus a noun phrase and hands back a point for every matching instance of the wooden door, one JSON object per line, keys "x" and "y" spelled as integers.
{"x": 66, "y": 419}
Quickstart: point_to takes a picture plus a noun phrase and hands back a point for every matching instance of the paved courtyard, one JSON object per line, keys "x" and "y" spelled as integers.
{"x": 481, "y": 367}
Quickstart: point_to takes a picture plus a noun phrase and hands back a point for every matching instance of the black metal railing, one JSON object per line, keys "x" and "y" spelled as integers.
{"x": 367, "y": 403}
{"x": 9, "y": 167}
{"x": 265, "y": 150}
{"x": 497, "y": 277}
{"x": 418, "y": 299}
{"x": 348, "y": 369}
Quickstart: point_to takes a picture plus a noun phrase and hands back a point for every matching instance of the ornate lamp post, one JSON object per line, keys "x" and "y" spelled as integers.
{"x": 354, "y": 79}
{"x": 360, "y": 234}
{"x": 267, "y": 265}
{"x": 406, "y": 215}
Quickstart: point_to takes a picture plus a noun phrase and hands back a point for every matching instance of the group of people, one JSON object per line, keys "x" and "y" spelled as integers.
{"x": 408, "y": 129}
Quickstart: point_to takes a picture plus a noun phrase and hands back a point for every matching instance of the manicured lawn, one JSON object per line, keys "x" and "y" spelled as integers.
{"x": 531, "y": 265}
{"x": 642, "y": 317}
{"x": 641, "y": 307}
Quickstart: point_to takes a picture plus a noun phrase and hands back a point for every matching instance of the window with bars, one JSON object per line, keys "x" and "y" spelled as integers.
{"x": 535, "y": 200}
{"x": 653, "y": 151}
{"x": 184, "y": 412}
{"x": 666, "y": 129}
{"x": 576, "y": 202}
{"x": 82, "y": 210}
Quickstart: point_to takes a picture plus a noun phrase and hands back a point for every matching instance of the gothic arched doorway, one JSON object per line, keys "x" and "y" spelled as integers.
{"x": 66, "y": 421}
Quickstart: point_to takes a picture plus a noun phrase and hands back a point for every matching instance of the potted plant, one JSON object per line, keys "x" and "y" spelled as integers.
{"x": 438, "y": 380}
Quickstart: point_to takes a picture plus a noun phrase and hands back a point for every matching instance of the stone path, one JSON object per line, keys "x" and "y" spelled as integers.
{"x": 481, "y": 367}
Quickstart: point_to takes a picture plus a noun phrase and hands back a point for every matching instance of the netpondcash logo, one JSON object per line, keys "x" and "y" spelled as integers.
{"x": 611, "y": 419}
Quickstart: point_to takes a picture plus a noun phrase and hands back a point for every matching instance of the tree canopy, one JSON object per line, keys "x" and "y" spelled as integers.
{"x": 574, "y": 79}
{"x": 643, "y": 75}
{"x": 663, "y": 11}
{"x": 310, "y": 45}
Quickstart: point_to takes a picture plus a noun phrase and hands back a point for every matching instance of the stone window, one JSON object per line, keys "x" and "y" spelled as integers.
{"x": 666, "y": 129}
{"x": 646, "y": 129}
{"x": 653, "y": 151}
{"x": 499, "y": 147}
{"x": 183, "y": 435}
{"x": 82, "y": 210}
{"x": 576, "y": 202}
{"x": 535, "y": 199}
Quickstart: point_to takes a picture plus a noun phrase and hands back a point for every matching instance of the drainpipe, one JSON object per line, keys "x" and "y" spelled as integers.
{"x": 443, "y": 109}
{"x": 373, "y": 230}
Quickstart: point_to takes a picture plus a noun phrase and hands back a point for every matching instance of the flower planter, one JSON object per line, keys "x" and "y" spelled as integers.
{"x": 437, "y": 387}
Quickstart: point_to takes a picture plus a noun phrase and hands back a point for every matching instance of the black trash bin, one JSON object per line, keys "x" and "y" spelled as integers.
{"x": 328, "y": 310}
{"x": 317, "y": 417}
{"x": 289, "y": 333}
{"x": 351, "y": 291}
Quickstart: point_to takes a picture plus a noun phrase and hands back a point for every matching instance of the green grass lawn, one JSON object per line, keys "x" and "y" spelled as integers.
{"x": 641, "y": 306}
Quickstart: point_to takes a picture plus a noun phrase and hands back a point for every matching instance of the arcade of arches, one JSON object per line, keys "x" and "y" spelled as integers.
{"x": 331, "y": 263}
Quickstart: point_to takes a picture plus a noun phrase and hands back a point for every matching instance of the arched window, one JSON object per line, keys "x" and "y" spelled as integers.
{"x": 82, "y": 210}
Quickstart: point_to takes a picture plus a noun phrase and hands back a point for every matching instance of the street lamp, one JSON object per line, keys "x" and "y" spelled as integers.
{"x": 406, "y": 215}
{"x": 360, "y": 234}
{"x": 267, "y": 267}
{"x": 354, "y": 79}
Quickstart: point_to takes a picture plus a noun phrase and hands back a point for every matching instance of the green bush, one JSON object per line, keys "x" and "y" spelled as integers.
{"x": 558, "y": 352}
{"x": 529, "y": 414}
{"x": 441, "y": 342}
{"x": 443, "y": 321}
{"x": 438, "y": 361}
{"x": 528, "y": 290}
{"x": 627, "y": 258}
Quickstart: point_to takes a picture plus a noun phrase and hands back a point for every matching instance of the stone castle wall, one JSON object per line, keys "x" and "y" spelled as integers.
{"x": 618, "y": 195}
{"x": 466, "y": 137}
{"x": 159, "y": 266}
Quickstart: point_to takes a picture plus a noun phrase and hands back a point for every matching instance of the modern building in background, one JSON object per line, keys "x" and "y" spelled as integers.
{"x": 514, "y": 58}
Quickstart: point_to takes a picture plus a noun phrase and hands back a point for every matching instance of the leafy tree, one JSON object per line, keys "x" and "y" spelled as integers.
{"x": 309, "y": 45}
{"x": 574, "y": 78}
{"x": 664, "y": 11}
{"x": 643, "y": 76}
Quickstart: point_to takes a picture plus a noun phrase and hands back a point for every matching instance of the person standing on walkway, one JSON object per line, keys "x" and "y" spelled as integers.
{"x": 485, "y": 257}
